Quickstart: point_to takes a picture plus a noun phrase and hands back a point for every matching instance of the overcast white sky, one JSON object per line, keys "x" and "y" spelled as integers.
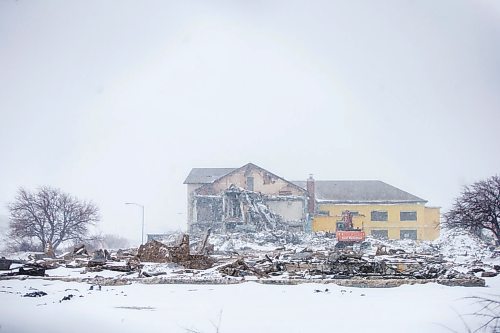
{"x": 116, "y": 101}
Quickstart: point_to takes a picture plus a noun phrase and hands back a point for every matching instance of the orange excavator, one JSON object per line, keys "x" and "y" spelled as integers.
{"x": 347, "y": 235}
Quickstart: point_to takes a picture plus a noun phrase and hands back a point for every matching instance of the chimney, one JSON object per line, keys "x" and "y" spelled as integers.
{"x": 311, "y": 201}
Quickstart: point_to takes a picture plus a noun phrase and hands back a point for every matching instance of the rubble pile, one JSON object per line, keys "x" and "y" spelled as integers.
{"x": 251, "y": 242}
{"x": 126, "y": 261}
{"x": 261, "y": 217}
{"x": 460, "y": 246}
{"x": 339, "y": 264}
{"x": 154, "y": 251}
{"x": 240, "y": 268}
{"x": 266, "y": 256}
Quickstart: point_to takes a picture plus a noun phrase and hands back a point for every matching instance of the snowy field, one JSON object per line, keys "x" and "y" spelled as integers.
{"x": 251, "y": 306}
{"x": 246, "y": 307}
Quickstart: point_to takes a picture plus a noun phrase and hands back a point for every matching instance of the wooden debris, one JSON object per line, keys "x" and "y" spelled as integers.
{"x": 204, "y": 247}
{"x": 29, "y": 270}
{"x": 154, "y": 251}
{"x": 240, "y": 268}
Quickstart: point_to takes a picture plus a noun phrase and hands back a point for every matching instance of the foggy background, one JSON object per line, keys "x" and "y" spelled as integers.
{"x": 116, "y": 101}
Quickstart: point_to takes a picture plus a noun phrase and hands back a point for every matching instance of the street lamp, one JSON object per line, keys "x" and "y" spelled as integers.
{"x": 142, "y": 207}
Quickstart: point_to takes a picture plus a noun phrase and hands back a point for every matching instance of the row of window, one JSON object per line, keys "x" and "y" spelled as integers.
{"x": 403, "y": 234}
{"x": 380, "y": 215}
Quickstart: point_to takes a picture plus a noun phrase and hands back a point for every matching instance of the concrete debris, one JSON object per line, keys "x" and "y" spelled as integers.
{"x": 249, "y": 207}
{"x": 239, "y": 209}
{"x": 154, "y": 251}
{"x": 240, "y": 268}
{"x": 269, "y": 257}
{"x": 80, "y": 250}
{"x": 99, "y": 258}
{"x": 125, "y": 254}
{"x": 126, "y": 261}
{"x": 134, "y": 263}
{"x": 345, "y": 264}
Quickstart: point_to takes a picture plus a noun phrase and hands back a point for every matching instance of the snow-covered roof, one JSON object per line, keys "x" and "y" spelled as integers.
{"x": 359, "y": 191}
{"x": 336, "y": 191}
{"x": 206, "y": 175}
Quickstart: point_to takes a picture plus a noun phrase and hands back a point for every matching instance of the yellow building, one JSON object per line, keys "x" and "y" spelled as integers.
{"x": 380, "y": 209}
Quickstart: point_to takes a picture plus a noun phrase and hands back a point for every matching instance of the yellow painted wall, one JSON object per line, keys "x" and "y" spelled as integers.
{"x": 432, "y": 221}
{"x": 427, "y": 224}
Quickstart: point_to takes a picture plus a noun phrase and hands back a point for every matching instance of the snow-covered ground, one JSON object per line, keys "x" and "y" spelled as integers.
{"x": 250, "y": 306}
{"x": 247, "y": 307}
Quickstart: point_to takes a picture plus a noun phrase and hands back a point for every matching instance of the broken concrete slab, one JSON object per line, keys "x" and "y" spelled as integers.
{"x": 489, "y": 274}
{"x": 80, "y": 249}
{"x": 98, "y": 258}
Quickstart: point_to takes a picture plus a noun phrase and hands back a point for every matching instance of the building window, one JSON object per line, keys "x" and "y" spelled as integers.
{"x": 354, "y": 213}
{"x": 408, "y": 234}
{"x": 267, "y": 179}
{"x": 382, "y": 234}
{"x": 408, "y": 216}
{"x": 378, "y": 215}
{"x": 250, "y": 183}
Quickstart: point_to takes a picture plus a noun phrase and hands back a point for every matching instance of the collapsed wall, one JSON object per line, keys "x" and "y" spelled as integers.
{"x": 240, "y": 209}
{"x": 154, "y": 251}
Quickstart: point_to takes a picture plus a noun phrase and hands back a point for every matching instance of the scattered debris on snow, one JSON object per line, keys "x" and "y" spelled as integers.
{"x": 273, "y": 256}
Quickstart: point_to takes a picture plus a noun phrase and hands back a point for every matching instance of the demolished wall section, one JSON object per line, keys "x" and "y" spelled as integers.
{"x": 238, "y": 208}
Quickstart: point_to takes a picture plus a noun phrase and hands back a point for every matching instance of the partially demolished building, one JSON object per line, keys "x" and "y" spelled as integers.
{"x": 252, "y": 198}
{"x": 249, "y": 198}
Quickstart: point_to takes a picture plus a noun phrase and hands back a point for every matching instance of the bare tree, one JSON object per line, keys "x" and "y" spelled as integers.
{"x": 489, "y": 311}
{"x": 477, "y": 208}
{"x": 50, "y": 216}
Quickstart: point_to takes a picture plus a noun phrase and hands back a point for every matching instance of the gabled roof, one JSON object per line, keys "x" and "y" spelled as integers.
{"x": 210, "y": 175}
{"x": 206, "y": 175}
{"x": 251, "y": 165}
{"x": 360, "y": 191}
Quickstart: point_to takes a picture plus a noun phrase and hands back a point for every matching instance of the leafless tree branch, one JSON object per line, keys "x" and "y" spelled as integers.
{"x": 50, "y": 215}
{"x": 477, "y": 208}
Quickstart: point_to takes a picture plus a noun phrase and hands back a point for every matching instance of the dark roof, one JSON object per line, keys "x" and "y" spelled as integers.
{"x": 206, "y": 175}
{"x": 359, "y": 191}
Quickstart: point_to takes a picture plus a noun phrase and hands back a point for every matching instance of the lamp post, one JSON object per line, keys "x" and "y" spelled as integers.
{"x": 142, "y": 207}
